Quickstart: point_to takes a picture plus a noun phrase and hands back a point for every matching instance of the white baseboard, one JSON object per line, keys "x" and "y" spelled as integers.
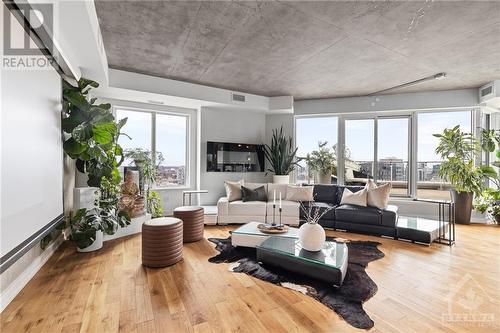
{"x": 9, "y": 293}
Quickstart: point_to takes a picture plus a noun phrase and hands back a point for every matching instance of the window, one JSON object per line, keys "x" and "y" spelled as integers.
{"x": 308, "y": 133}
{"x": 161, "y": 133}
{"x": 392, "y": 154}
{"x": 359, "y": 151}
{"x": 429, "y": 184}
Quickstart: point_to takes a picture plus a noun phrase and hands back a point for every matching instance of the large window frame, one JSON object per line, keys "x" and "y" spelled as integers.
{"x": 412, "y": 116}
{"x": 153, "y": 113}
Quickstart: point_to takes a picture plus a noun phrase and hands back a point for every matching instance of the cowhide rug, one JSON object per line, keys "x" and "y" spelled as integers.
{"x": 347, "y": 301}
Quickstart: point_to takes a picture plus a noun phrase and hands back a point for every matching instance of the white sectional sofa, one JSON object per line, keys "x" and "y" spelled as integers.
{"x": 258, "y": 211}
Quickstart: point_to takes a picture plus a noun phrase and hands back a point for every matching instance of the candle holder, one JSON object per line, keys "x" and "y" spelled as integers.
{"x": 274, "y": 214}
{"x": 280, "y": 217}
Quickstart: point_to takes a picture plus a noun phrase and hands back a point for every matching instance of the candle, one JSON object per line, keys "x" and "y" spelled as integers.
{"x": 274, "y": 197}
{"x": 280, "y": 200}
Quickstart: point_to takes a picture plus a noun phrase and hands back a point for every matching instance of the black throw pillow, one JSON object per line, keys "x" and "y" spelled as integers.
{"x": 259, "y": 194}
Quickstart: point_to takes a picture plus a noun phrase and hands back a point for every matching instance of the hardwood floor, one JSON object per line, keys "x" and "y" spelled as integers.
{"x": 109, "y": 291}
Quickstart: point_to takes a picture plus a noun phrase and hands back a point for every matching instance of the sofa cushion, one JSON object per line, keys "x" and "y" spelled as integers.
{"x": 289, "y": 208}
{"x": 358, "y": 214}
{"x": 299, "y": 193}
{"x": 325, "y": 193}
{"x": 354, "y": 198}
{"x": 253, "y": 186}
{"x": 340, "y": 191}
{"x": 279, "y": 188}
{"x": 378, "y": 196}
{"x": 390, "y": 216}
{"x": 233, "y": 190}
{"x": 238, "y": 207}
{"x": 259, "y": 194}
{"x": 330, "y": 215}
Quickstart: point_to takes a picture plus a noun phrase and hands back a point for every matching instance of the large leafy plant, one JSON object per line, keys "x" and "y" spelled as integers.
{"x": 489, "y": 200}
{"x": 280, "y": 153}
{"x": 458, "y": 150}
{"x": 323, "y": 159}
{"x": 92, "y": 133}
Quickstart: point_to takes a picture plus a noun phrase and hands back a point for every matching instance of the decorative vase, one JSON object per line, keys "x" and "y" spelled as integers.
{"x": 325, "y": 177}
{"x": 280, "y": 179}
{"x": 96, "y": 245}
{"x": 312, "y": 236}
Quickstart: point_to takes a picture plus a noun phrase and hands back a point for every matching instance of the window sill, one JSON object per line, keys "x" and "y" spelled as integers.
{"x": 173, "y": 188}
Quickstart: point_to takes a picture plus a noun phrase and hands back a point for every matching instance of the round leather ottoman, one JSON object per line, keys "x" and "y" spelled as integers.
{"x": 161, "y": 242}
{"x": 193, "y": 222}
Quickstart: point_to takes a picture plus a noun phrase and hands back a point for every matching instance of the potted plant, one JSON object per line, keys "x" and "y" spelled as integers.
{"x": 489, "y": 199}
{"x": 91, "y": 138}
{"x": 281, "y": 156}
{"x": 322, "y": 161}
{"x": 458, "y": 150}
{"x": 147, "y": 173}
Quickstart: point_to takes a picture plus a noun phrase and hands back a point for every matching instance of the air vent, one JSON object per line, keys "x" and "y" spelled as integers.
{"x": 486, "y": 91}
{"x": 238, "y": 97}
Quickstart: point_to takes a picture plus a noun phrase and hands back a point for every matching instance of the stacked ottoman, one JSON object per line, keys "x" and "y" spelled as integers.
{"x": 193, "y": 222}
{"x": 161, "y": 242}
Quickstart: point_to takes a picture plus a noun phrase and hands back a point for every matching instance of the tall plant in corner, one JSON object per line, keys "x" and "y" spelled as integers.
{"x": 92, "y": 140}
{"x": 281, "y": 156}
{"x": 458, "y": 151}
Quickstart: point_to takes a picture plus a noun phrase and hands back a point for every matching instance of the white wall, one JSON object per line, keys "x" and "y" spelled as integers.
{"x": 228, "y": 126}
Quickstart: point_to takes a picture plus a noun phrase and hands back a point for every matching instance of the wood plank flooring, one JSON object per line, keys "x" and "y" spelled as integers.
{"x": 109, "y": 291}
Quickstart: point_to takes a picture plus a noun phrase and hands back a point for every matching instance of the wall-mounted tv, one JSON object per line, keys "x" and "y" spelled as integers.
{"x": 234, "y": 157}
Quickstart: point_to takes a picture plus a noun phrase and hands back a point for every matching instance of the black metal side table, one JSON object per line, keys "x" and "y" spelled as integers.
{"x": 443, "y": 206}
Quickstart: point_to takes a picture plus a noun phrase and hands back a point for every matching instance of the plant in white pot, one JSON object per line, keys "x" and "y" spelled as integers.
{"x": 311, "y": 234}
{"x": 323, "y": 162}
{"x": 281, "y": 156}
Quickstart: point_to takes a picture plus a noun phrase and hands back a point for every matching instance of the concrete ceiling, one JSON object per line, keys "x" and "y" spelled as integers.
{"x": 307, "y": 49}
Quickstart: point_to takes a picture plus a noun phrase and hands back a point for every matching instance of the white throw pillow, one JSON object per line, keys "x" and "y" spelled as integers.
{"x": 378, "y": 196}
{"x": 299, "y": 193}
{"x": 356, "y": 198}
{"x": 233, "y": 190}
{"x": 276, "y": 188}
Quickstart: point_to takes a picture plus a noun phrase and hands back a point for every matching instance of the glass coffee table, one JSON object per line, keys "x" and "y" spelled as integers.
{"x": 329, "y": 264}
{"x": 249, "y": 235}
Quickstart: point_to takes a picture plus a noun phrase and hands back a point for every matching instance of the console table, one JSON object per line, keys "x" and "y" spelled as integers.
{"x": 189, "y": 194}
{"x": 443, "y": 206}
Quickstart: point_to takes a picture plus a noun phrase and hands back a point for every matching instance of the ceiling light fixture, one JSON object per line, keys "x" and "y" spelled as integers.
{"x": 438, "y": 76}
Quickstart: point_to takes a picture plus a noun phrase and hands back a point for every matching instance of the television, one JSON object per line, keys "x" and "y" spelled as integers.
{"x": 234, "y": 157}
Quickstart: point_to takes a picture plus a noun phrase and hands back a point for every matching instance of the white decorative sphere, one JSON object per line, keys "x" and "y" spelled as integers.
{"x": 312, "y": 236}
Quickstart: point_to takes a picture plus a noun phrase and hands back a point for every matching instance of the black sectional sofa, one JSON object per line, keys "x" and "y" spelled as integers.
{"x": 353, "y": 218}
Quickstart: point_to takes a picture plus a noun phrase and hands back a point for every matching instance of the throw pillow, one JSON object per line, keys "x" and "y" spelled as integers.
{"x": 378, "y": 196}
{"x": 259, "y": 194}
{"x": 233, "y": 190}
{"x": 299, "y": 193}
{"x": 354, "y": 198}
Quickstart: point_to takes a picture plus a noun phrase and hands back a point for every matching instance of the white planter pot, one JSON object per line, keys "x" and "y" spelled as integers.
{"x": 96, "y": 245}
{"x": 312, "y": 236}
{"x": 325, "y": 178}
{"x": 281, "y": 179}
